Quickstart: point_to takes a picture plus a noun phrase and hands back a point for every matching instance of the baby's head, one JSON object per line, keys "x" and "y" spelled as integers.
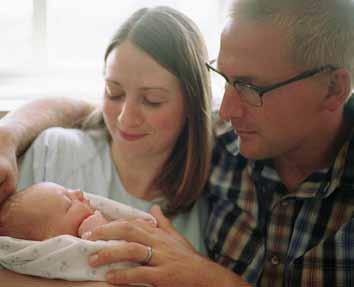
{"x": 42, "y": 211}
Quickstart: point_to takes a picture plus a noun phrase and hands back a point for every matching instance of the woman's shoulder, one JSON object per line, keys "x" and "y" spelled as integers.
{"x": 192, "y": 224}
{"x": 68, "y": 157}
{"x": 60, "y": 135}
{"x": 70, "y": 148}
{"x": 72, "y": 138}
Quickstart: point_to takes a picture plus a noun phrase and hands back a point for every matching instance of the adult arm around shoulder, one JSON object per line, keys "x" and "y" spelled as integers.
{"x": 20, "y": 127}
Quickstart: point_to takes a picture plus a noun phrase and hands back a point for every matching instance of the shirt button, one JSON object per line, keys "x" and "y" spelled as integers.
{"x": 275, "y": 260}
{"x": 284, "y": 203}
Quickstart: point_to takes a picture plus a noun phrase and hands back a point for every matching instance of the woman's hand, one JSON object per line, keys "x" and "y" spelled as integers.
{"x": 174, "y": 262}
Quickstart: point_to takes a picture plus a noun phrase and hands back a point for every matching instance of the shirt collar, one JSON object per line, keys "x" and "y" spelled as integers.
{"x": 321, "y": 183}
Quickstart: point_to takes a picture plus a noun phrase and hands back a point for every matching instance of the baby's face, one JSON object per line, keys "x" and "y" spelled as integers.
{"x": 65, "y": 209}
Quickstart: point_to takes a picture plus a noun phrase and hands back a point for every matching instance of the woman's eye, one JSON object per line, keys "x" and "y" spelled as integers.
{"x": 113, "y": 93}
{"x": 115, "y": 97}
{"x": 152, "y": 103}
{"x": 153, "y": 99}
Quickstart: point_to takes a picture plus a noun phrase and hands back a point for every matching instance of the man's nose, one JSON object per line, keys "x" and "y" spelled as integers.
{"x": 231, "y": 105}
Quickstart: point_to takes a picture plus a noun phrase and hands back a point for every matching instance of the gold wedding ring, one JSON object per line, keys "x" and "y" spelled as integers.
{"x": 148, "y": 256}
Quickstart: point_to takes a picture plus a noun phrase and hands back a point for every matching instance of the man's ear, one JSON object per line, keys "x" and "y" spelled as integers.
{"x": 338, "y": 90}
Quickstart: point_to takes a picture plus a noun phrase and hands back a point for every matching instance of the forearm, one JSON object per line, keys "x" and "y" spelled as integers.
{"x": 172, "y": 261}
{"x": 21, "y": 126}
{"x": 11, "y": 279}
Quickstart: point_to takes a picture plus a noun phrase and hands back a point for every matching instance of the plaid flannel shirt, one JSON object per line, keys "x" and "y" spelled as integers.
{"x": 271, "y": 237}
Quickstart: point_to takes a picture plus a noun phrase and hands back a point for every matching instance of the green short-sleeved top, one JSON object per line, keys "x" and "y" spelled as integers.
{"x": 78, "y": 159}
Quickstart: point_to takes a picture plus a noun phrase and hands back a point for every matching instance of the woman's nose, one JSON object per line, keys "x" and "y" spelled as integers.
{"x": 130, "y": 115}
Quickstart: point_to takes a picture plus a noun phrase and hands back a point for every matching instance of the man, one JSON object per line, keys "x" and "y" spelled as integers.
{"x": 281, "y": 185}
{"x": 283, "y": 204}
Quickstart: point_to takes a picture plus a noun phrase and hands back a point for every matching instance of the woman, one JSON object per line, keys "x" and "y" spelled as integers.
{"x": 151, "y": 140}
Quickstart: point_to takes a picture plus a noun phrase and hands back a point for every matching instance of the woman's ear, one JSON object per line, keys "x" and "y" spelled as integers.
{"x": 339, "y": 89}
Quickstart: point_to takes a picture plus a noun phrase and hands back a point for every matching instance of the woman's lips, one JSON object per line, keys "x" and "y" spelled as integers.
{"x": 131, "y": 136}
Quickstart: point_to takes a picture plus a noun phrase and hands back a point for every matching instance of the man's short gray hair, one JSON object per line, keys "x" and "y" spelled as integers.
{"x": 319, "y": 32}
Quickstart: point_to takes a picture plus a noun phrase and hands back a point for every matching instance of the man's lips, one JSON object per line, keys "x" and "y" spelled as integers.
{"x": 242, "y": 129}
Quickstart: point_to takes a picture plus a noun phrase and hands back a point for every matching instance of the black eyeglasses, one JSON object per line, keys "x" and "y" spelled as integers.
{"x": 253, "y": 94}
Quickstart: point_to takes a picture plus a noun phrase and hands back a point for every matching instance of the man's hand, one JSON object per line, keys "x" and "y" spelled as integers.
{"x": 174, "y": 262}
{"x": 8, "y": 167}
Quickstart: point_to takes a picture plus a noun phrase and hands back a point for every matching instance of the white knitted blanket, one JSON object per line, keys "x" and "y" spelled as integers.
{"x": 66, "y": 257}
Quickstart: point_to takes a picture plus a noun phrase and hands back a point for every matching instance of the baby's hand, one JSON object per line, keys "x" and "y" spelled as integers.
{"x": 92, "y": 222}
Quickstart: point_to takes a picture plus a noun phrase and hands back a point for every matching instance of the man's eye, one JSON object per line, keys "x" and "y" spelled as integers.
{"x": 241, "y": 87}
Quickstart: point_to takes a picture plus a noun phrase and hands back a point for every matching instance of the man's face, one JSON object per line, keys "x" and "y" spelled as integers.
{"x": 259, "y": 54}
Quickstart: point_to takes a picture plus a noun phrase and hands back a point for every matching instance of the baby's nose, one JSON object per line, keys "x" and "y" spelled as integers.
{"x": 77, "y": 194}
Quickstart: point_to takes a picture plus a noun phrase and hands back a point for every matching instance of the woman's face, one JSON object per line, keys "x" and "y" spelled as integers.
{"x": 143, "y": 104}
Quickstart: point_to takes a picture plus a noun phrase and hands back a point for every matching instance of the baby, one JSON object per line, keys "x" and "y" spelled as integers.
{"x": 41, "y": 229}
{"x": 46, "y": 210}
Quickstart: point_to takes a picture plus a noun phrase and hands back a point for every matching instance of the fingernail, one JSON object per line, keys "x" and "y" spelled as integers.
{"x": 93, "y": 259}
{"x": 149, "y": 221}
{"x": 86, "y": 235}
